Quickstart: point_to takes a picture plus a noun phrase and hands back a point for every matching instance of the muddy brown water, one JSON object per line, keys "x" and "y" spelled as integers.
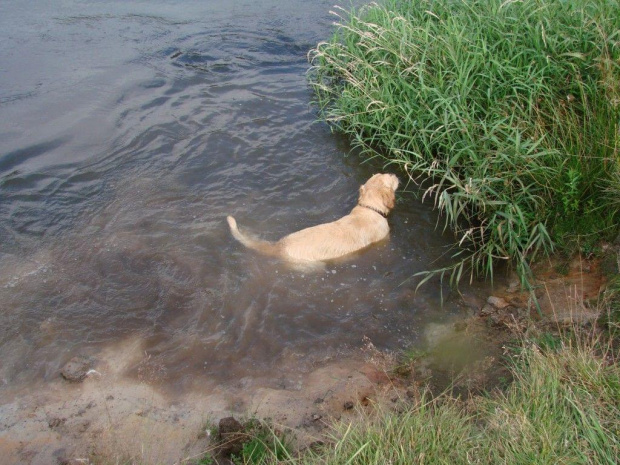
{"x": 128, "y": 131}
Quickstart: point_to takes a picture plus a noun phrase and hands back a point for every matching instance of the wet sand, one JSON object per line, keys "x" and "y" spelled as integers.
{"x": 109, "y": 417}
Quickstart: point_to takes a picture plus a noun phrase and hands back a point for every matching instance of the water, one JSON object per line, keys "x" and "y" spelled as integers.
{"x": 128, "y": 131}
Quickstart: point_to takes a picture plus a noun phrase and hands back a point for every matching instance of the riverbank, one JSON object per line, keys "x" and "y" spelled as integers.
{"x": 467, "y": 371}
{"x": 96, "y": 414}
{"x": 541, "y": 386}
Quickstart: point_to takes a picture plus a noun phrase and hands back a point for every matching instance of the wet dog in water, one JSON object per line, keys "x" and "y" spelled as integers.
{"x": 366, "y": 224}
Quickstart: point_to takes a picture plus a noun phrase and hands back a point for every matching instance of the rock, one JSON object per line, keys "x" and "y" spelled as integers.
{"x": 348, "y": 405}
{"x": 487, "y": 310}
{"x": 472, "y": 301}
{"x": 229, "y": 425}
{"x": 231, "y": 436}
{"x": 497, "y": 302}
{"x": 77, "y": 368}
{"x": 65, "y": 461}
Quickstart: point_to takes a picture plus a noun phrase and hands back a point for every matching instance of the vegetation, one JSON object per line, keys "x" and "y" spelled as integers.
{"x": 563, "y": 407}
{"x": 507, "y": 112}
{"x": 265, "y": 444}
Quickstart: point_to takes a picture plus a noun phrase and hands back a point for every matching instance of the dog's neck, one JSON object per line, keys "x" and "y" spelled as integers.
{"x": 376, "y": 210}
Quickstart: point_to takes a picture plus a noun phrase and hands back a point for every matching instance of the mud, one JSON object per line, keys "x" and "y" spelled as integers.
{"x": 467, "y": 356}
{"x": 107, "y": 417}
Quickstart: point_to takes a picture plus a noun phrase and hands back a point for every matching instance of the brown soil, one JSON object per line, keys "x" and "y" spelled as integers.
{"x": 467, "y": 356}
{"x": 106, "y": 418}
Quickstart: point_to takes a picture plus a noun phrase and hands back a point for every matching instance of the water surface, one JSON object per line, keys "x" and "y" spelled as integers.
{"x": 128, "y": 131}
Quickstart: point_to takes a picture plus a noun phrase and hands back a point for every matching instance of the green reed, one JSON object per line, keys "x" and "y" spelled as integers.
{"x": 506, "y": 111}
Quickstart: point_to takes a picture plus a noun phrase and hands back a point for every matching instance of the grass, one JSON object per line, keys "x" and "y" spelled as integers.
{"x": 266, "y": 444}
{"x": 506, "y": 111}
{"x": 562, "y": 407}
{"x": 435, "y": 431}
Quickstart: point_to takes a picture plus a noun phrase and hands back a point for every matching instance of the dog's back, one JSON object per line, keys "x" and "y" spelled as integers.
{"x": 349, "y": 234}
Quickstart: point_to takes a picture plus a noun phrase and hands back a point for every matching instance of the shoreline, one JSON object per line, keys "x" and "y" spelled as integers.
{"x": 106, "y": 416}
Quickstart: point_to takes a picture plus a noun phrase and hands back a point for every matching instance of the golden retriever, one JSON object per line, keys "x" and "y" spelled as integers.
{"x": 367, "y": 223}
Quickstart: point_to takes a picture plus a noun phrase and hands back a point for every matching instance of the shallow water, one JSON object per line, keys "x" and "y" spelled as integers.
{"x": 128, "y": 131}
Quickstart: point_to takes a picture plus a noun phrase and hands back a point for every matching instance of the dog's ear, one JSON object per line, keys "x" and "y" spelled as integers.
{"x": 362, "y": 190}
{"x": 388, "y": 197}
{"x": 393, "y": 182}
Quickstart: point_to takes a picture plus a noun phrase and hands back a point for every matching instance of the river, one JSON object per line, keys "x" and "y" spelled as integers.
{"x": 128, "y": 131}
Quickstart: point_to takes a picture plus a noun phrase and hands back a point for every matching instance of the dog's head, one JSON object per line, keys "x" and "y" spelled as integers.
{"x": 379, "y": 191}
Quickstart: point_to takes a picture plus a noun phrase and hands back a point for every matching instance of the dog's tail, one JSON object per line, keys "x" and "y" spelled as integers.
{"x": 265, "y": 247}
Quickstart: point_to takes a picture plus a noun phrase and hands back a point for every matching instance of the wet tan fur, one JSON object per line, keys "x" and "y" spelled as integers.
{"x": 351, "y": 233}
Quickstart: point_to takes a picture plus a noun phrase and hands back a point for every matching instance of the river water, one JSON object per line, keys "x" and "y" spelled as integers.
{"x": 128, "y": 131}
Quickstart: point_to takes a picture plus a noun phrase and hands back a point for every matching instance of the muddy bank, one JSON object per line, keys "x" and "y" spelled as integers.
{"x": 94, "y": 413}
{"x": 467, "y": 356}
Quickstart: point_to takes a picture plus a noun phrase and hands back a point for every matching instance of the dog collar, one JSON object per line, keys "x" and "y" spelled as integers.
{"x": 376, "y": 210}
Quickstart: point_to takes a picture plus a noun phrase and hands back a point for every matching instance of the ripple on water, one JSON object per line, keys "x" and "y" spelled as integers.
{"x": 113, "y": 229}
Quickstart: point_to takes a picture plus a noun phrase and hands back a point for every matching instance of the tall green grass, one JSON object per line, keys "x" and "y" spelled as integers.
{"x": 508, "y": 111}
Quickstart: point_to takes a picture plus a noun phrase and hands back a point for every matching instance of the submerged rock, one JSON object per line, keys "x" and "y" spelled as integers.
{"x": 497, "y": 302}
{"x": 73, "y": 461}
{"x": 77, "y": 368}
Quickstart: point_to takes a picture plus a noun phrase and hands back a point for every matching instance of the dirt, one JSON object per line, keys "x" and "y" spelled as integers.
{"x": 466, "y": 357}
{"x": 107, "y": 417}
{"x": 104, "y": 416}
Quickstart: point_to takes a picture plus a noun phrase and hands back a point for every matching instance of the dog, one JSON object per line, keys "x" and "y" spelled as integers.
{"x": 366, "y": 224}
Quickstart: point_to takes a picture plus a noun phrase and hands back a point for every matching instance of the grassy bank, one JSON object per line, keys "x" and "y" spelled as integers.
{"x": 562, "y": 407}
{"x": 508, "y": 110}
